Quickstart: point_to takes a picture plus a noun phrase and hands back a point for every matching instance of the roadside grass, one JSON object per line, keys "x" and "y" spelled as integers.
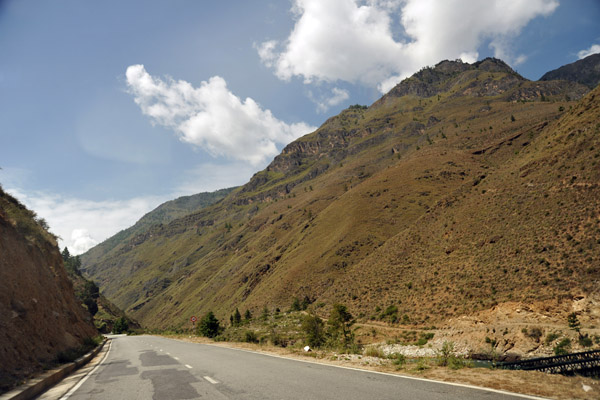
{"x": 526, "y": 382}
{"x": 72, "y": 354}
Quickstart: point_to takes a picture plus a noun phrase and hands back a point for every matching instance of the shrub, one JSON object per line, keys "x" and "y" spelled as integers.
{"x": 121, "y": 326}
{"x": 445, "y": 353}
{"x": 250, "y": 337}
{"x": 585, "y": 341}
{"x": 397, "y": 359}
{"x": 425, "y": 337}
{"x": 340, "y": 321}
{"x": 209, "y": 325}
{"x": 562, "y": 347}
{"x": 551, "y": 337}
{"x": 374, "y": 351}
{"x": 535, "y": 333}
{"x": 314, "y": 330}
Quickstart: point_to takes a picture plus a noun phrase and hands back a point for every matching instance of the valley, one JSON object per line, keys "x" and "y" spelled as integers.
{"x": 464, "y": 197}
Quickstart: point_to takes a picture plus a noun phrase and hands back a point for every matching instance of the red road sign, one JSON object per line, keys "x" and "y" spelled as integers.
{"x": 193, "y": 319}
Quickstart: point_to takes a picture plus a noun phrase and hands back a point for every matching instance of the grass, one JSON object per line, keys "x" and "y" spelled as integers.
{"x": 378, "y": 230}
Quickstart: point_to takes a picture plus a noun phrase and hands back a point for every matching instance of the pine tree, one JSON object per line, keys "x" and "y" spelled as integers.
{"x": 209, "y": 325}
{"x": 237, "y": 318}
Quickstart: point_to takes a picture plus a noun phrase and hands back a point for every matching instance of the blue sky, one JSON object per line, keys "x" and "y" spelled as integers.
{"x": 109, "y": 108}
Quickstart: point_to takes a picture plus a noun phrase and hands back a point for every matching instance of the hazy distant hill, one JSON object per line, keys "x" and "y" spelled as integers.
{"x": 162, "y": 214}
{"x": 585, "y": 71}
{"x": 465, "y": 187}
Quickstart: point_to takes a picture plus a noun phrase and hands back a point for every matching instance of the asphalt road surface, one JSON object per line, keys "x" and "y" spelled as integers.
{"x": 148, "y": 367}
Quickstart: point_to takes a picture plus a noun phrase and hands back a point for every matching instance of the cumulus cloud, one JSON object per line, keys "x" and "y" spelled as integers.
{"x": 211, "y": 117}
{"x": 81, "y": 224}
{"x": 355, "y": 41}
{"x": 81, "y": 241}
{"x": 595, "y": 48}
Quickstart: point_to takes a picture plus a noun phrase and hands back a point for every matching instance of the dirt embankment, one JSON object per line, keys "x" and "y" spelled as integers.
{"x": 39, "y": 314}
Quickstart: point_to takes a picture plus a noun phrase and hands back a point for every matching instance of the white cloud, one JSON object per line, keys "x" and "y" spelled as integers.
{"x": 335, "y": 97}
{"x": 354, "y": 41}
{"x": 595, "y": 48}
{"x": 81, "y": 241}
{"x": 211, "y": 117}
{"x": 80, "y": 223}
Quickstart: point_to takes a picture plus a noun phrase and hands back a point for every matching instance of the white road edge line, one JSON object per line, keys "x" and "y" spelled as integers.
{"x": 188, "y": 366}
{"x": 81, "y": 382}
{"x": 211, "y": 380}
{"x": 524, "y": 396}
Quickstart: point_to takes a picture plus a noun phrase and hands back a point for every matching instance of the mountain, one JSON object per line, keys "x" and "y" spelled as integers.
{"x": 162, "y": 214}
{"x": 465, "y": 189}
{"x": 585, "y": 71}
{"x": 39, "y": 314}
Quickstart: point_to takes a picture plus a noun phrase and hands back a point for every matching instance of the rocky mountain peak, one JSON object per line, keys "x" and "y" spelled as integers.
{"x": 585, "y": 71}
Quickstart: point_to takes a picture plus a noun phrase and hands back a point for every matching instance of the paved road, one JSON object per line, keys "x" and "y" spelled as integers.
{"x": 144, "y": 367}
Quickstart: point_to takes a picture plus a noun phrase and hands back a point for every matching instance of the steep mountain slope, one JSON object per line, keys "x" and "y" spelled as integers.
{"x": 585, "y": 71}
{"x": 162, "y": 214}
{"x": 105, "y": 314}
{"x": 433, "y": 199}
{"x": 39, "y": 315}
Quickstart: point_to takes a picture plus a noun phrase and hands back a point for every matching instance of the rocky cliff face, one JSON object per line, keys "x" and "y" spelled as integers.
{"x": 39, "y": 315}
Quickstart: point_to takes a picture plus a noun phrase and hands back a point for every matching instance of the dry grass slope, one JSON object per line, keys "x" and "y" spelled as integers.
{"x": 465, "y": 188}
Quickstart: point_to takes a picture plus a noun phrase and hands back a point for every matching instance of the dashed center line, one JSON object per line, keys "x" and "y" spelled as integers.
{"x": 177, "y": 358}
{"x": 188, "y": 366}
{"x": 211, "y": 380}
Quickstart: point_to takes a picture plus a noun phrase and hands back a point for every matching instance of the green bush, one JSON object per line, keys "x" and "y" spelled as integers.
{"x": 445, "y": 353}
{"x": 551, "y": 337}
{"x": 586, "y": 341}
{"x": 562, "y": 347}
{"x": 314, "y": 330}
{"x": 250, "y": 337}
{"x": 397, "y": 359}
{"x": 209, "y": 325}
{"x": 121, "y": 326}
{"x": 340, "y": 321}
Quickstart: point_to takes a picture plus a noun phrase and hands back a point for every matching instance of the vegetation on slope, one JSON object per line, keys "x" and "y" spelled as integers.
{"x": 40, "y": 317}
{"x": 465, "y": 188}
{"x": 162, "y": 214}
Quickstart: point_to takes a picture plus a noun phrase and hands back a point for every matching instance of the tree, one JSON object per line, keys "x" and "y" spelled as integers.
{"x": 295, "y": 305}
{"x": 89, "y": 296}
{"x": 237, "y": 318}
{"x": 574, "y": 322}
{"x": 247, "y": 315}
{"x": 265, "y": 314}
{"x": 121, "y": 325}
{"x": 314, "y": 330}
{"x": 340, "y": 321}
{"x": 209, "y": 325}
{"x": 66, "y": 255}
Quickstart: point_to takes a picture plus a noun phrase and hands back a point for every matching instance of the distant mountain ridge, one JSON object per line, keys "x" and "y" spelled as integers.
{"x": 463, "y": 188}
{"x": 585, "y": 71}
{"x": 162, "y": 214}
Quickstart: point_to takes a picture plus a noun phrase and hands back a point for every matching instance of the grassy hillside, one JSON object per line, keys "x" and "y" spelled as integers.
{"x": 465, "y": 187}
{"x": 162, "y": 214}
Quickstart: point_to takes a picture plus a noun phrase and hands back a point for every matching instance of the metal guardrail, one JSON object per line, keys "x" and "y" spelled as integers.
{"x": 586, "y": 363}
